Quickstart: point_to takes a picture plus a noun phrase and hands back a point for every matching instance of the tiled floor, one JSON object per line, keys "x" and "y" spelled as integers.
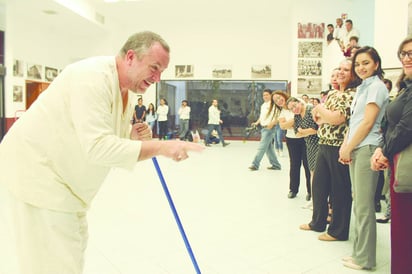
{"x": 237, "y": 221}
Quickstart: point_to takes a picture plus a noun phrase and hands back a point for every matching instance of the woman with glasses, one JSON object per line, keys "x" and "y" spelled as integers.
{"x": 361, "y": 140}
{"x": 397, "y": 136}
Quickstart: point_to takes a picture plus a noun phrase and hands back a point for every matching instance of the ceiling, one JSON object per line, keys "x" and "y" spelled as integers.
{"x": 138, "y": 14}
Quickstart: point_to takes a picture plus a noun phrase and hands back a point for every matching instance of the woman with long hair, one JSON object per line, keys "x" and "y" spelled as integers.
{"x": 361, "y": 140}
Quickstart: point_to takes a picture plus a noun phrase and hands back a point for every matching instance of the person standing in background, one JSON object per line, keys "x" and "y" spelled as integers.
{"x": 329, "y": 37}
{"x": 268, "y": 118}
{"x": 139, "y": 112}
{"x": 305, "y": 127}
{"x": 184, "y": 117}
{"x": 162, "y": 112}
{"x": 214, "y": 124}
{"x": 151, "y": 116}
{"x": 296, "y": 145}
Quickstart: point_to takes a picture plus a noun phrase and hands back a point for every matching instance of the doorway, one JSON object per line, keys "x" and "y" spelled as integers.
{"x": 33, "y": 90}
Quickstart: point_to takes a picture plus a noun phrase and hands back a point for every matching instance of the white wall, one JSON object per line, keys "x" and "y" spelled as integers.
{"x": 204, "y": 34}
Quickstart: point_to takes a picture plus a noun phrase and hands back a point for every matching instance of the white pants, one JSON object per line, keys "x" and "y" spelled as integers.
{"x": 47, "y": 241}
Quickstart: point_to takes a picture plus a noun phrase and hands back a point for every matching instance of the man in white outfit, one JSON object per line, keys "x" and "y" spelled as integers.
{"x": 214, "y": 124}
{"x": 55, "y": 157}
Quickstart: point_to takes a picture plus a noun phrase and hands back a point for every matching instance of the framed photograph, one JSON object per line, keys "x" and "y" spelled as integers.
{"x": 309, "y": 85}
{"x": 261, "y": 71}
{"x": 34, "y": 71}
{"x": 184, "y": 71}
{"x": 50, "y": 73}
{"x": 18, "y": 68}
{"x": 311, "y": 30}
{"x": 310, "y": 67}
{"x": 17, "y": 94}
{"x": 310, "y": 49}
{"x": 222, "y": 71}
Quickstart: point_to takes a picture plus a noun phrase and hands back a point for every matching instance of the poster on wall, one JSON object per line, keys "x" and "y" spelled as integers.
{"x": 34, "y": 71}
{"x": 184, "y": 71}
{"x": 222, "y": 71}
{"x": 18, "y": 68}
{"x": 311, "y": 30}
{"x": 261, "y": 71}
{"x": 17, "y": 94}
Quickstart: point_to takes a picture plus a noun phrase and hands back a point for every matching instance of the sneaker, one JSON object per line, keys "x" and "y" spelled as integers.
{"x": 273, "y": 168}
{"x": 291, "y": 195}
{"x": 308, "y": 197}
{"x": 208, "y": 145}
{"x": 225, "y": 144}
{"x": 253, "y": 168}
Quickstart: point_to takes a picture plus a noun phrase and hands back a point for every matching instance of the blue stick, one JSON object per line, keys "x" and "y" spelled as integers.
{"x": 179, "y": 224}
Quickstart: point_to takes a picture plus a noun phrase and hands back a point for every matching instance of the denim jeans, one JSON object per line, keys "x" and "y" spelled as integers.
{"x": 278, "y": 138}
{"x": 266, "y": 146}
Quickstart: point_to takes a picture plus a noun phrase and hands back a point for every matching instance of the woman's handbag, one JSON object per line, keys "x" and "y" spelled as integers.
{"x": 402, "y": 162}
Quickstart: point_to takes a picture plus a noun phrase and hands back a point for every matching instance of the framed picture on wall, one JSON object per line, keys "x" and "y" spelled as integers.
{"x": 261, "y": 71}
{"x": 34, "y": 71}
{"x": 310, "y": 30}
{"x": 310, "y": 67}
{"x": 17, "y": 94}
{"x": 222, "y": 71}
{"x": 184, "y": 71}
{"x": 18, "y": 68}
{"x": 309, "y": 85}
{"x": 50, "y": 73}
{"x": 310, "y": 49}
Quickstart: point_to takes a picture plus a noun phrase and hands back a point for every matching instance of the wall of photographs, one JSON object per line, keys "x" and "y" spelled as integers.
{"x": 310, "y": 54}
{"x": 29, "y": 71}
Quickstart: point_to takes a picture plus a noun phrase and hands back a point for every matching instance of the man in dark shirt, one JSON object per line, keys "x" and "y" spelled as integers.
{"x": 139, "y": 112}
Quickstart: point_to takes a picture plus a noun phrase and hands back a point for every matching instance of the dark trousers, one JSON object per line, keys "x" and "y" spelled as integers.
{"x": 379, "y": 187}
{"x": 162, "y": 129}
{"x": 331, "y": 178}
{"x": 297, "y": 157}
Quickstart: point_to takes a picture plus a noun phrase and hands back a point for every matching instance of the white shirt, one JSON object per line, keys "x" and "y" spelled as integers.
{"x": 184, "y": 113}
{"x": 214, "y": 115}
{"x": 288, "y": 115}
{"x": 58, "y": 153}
{"x": 264, "y": 118}
{"x": 162, "y": 112}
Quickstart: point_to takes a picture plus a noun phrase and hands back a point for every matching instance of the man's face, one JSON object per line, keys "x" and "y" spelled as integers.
{"x": 339, "y": 22}
{"x": 147, "y": 70}
{"x": 348, "y": 26}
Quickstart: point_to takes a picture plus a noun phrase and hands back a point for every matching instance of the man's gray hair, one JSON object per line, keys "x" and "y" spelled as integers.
{"x": 141, "y": 42}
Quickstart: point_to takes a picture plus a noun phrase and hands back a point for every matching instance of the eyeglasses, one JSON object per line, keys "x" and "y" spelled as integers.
{"x": 403, "y": 54}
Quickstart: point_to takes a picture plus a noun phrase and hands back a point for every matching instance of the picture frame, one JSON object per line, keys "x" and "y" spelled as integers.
{"x": 50, "y": 73}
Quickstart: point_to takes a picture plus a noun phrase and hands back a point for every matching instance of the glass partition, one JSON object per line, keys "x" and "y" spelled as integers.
{"x": 239, "y": 101}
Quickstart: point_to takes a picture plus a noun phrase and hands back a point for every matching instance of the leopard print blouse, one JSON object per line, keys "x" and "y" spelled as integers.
{"x": 333, "y": 135}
